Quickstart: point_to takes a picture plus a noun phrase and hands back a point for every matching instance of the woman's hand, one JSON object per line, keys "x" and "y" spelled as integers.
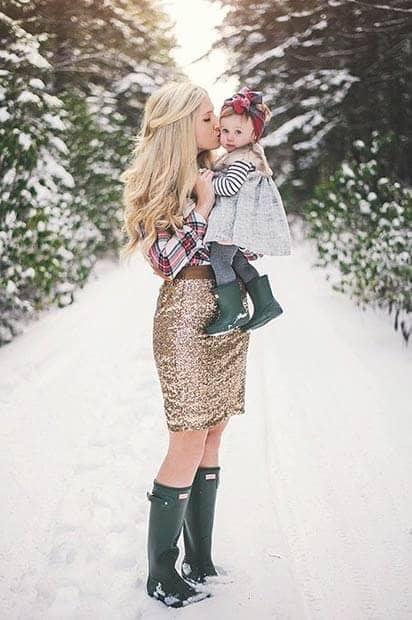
{"x": 205, "y": 192}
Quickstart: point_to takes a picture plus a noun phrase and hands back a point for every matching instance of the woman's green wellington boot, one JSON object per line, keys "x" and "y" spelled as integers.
{"x": 265, "y": 306}
{"x": 232, "y": 311}
{"x": 198, "y": 525}
{"x": 167, "y": 511}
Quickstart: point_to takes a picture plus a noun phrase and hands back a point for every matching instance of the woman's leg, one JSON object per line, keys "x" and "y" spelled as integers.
{"x": 184, "y": 454}
{"x": 197, "y": 564}
{"x": 169, "y": 501}
{"x": 187, "y": 451}
{"x": 210, "y": 456}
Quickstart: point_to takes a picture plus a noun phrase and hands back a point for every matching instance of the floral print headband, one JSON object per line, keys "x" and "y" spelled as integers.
{"x": 245, "y": 102}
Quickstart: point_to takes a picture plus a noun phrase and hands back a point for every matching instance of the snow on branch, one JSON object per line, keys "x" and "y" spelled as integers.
{"x": 383, "y": 7}
{"x": 305, "y": 122}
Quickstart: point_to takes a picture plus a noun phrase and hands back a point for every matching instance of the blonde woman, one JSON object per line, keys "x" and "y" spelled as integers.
{"x": 168, "y": 196}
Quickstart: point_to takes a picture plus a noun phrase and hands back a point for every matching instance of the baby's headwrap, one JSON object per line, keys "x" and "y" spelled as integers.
{"x": 245, "y": 101}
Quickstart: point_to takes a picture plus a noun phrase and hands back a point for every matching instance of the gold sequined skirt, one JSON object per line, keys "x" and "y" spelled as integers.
{"x": 202, "y": 377}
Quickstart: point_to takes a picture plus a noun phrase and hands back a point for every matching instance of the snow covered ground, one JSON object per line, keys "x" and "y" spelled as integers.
{"x": 314, "y": 513}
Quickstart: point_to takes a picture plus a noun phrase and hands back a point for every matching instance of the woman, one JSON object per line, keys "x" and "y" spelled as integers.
{"x": 202, "y": 378}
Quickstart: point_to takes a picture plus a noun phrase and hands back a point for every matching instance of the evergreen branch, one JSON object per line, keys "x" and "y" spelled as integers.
{"x": 384, "y": 7}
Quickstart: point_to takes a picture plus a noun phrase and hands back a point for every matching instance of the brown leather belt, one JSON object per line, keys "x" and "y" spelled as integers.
{"x": 196, "y": 272}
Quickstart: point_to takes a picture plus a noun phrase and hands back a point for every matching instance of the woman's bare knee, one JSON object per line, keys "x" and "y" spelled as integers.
{"x": 183, "y": 457}
{"x": 214, "y": 434}
{"x": 210, "y": 457}
{"x": 187, "y": 445}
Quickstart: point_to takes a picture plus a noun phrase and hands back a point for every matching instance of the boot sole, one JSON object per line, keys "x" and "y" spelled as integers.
{"x": 210, "y": 580}
{"x": 228, "y": 331}
{"x": 154, "y": 589}
{"x": 193, "y": 576}
{"x": 261, "y": 323}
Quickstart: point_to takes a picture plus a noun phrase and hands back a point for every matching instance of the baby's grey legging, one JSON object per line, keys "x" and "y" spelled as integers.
{"x": 228, "y": 261}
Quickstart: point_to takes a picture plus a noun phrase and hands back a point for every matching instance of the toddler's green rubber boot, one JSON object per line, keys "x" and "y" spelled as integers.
{"x": 265, "y": 305}
{"x": 232, "y": 311}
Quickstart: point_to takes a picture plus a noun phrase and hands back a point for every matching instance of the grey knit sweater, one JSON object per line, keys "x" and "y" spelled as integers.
{"x": 254, "y": 217}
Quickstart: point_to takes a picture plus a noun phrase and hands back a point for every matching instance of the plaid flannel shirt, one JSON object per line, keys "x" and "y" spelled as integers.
{"x": 171, "y": 252}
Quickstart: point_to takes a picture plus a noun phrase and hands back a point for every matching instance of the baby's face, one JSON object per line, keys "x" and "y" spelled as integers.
{"x": 236, "y": 131}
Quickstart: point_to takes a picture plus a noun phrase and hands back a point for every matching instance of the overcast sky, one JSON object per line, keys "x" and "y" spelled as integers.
{"x": 195, "y": 23}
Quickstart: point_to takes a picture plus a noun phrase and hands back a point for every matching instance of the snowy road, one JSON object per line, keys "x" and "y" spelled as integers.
{"x": 314, "y": 514}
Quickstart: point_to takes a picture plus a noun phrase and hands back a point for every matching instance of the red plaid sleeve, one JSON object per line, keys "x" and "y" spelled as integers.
{"x": 171, "y": 252}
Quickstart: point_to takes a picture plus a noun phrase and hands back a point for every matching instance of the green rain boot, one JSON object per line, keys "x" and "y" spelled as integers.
{"x": 232, "y": 311}
{"x": 167, "y": 511}
{"x": 198, "y": 525}
{"x": 265, "y": 305}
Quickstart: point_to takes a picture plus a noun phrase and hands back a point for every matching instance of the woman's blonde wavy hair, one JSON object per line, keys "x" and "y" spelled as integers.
{"x": 163, "y": 173}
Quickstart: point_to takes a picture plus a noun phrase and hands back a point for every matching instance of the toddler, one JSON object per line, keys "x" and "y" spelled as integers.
{"x": 248, "y": 214}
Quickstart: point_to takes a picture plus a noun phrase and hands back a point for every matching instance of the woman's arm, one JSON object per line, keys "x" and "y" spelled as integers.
{"x": 229, "y": 183}
{"x": 171, "y": 252}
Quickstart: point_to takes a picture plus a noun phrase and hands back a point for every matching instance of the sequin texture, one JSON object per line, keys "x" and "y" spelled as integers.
{"x": 202, "y": 377}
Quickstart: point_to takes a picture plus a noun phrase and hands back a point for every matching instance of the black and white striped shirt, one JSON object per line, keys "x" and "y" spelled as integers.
{"x": 233, "y": 178}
